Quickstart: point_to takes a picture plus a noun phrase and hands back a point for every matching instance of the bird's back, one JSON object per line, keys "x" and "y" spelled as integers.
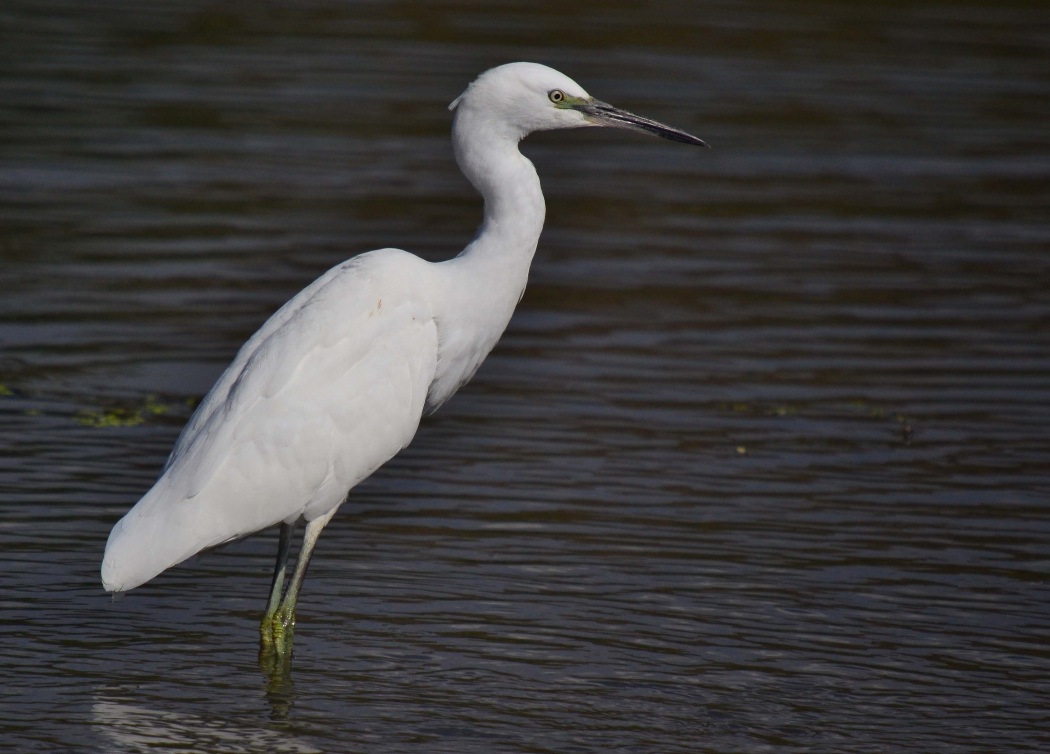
{"x": 330, "y": 388}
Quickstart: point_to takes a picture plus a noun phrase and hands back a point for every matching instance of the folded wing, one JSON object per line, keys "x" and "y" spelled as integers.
{"x": 329, "y": 389}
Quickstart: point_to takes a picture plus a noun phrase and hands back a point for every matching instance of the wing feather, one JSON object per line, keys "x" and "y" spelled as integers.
{"x": 329, "y": 389}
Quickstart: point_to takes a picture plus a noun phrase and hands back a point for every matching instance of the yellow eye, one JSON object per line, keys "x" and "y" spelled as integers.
{"x": 556, "y": 95}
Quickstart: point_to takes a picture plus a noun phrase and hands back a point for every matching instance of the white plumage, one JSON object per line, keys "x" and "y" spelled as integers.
{"x": 330, "y": 388}
{"x": 334, "y": 384}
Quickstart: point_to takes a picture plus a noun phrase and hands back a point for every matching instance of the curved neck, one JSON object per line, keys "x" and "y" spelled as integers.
{"x": 480, "y": 288}
{"x": 514, "y": 207}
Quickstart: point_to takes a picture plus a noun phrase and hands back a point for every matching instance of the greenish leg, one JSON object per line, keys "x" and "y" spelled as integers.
{"x": 279, "y": 570}
{"x": 282, "y": 620}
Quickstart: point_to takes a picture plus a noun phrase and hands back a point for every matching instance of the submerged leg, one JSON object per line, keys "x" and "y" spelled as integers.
{"x": 282, "y": 621}
{"x": 279, "y": 570}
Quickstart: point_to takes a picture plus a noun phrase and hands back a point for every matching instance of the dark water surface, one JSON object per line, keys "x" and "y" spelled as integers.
{"x": 762, "y": 463}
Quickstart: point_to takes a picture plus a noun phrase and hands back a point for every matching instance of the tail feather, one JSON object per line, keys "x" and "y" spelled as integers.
{"x": 165, "y": 528}
{"x": 143, "y": 544}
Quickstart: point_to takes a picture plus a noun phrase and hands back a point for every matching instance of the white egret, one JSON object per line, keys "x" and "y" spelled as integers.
{"x": 334, "y": 384}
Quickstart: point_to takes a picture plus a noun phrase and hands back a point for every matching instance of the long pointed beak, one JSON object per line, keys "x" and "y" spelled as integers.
{"x": 603, "y": 114}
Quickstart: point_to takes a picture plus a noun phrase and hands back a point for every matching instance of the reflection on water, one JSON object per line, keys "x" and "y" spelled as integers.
{"x": 134, "y": 728}
{"x": 759, "y": 465}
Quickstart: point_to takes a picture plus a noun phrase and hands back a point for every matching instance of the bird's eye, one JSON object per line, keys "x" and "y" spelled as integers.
{"x": 556, "y": 95}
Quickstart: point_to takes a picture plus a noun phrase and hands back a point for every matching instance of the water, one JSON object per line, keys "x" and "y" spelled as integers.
{"x": 761, "y": 464}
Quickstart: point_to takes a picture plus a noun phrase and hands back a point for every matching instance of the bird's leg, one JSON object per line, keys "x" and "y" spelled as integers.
{"x": 283, "y": 620}
{"x": 277, "y": 585}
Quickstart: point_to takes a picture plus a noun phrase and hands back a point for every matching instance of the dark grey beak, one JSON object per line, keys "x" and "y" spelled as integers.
{"x": 603, "y": 114}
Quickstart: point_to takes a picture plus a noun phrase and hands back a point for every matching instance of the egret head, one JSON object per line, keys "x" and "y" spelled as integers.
{"x": 518, "y": 98}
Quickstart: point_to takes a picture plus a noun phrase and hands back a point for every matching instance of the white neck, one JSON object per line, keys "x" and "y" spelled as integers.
{"x": 483, "y": 284}
{"x": 514, "y": 208}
